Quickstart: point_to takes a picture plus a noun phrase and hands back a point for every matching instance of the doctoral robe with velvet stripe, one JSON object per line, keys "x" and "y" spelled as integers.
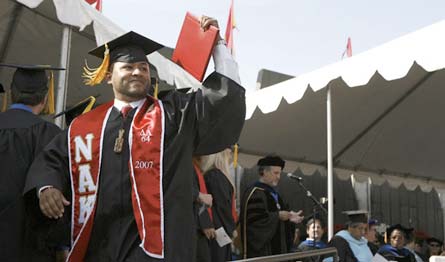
{"x": 262, "y": 231}
{"x": 199, "y": 123}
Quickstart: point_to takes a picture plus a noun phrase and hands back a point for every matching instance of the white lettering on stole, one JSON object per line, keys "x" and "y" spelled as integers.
{"x": 86, "y": 206}
{"x": 139, "y": 164}
{"x": 84, "y": 148}
{"x": 86, "y": 183}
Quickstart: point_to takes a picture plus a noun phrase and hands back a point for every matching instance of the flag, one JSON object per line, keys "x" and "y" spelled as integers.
{"x": 96, "y": 3}
{"x": 229, "y": 29}
{"x": 348, "y": 50}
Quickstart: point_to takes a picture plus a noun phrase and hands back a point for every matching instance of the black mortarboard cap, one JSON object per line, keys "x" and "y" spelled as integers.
{"x": 80, "y": 108}
{"x": 271, "y": 161}
{"x": 357, "y": 216}
{"x": 406, "y": 231}
{"x": 433, "y": 239}
{"x": 129, "y": 48}
{"x": 30, "y": 78}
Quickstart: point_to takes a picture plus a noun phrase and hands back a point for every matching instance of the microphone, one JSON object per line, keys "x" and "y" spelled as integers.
{"x": 298, "y": 178}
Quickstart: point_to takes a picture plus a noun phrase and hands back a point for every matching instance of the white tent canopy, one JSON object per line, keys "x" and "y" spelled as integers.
{"x": 61, "y": 33}
{"x": 387, "y": 115}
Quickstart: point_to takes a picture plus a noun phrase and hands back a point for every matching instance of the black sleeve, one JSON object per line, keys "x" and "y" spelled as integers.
{"x": 51, "y": 167}
{"x": 221, "y": 110}
{"x": 221, "y": 190}
{"x": 212, "y": 117}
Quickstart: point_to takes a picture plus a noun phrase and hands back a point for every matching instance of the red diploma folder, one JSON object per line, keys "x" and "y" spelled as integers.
{"x": 194, "y": 47}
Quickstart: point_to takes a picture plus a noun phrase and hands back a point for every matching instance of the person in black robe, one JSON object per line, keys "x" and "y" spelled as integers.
{"x": 204, "y": 225}
{"x": 265, "y": 227}
{"x": 395, "y": 250}
{"x": 197, "y": 123}
{"x": 23, "y": 135}
{"x": 216, "y": 172}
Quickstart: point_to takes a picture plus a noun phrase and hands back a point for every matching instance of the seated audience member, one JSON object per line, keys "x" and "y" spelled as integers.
{"x": 315, "y": 231}
{"x": 371, "y": 236}
{"x": 411, "y": 244}
{"x": 395, "y": 250}
{"x": 434, "y": 246}
{"x": 350, "y": 243}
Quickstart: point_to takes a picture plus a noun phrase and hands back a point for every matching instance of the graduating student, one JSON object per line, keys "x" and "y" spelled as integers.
{"x": 23, "y": 135}
{"x": 205, "y": 231}
{"x": 220, "y": 186}
{"x": 264, "y": 218}
{"x": 125, "y": 168}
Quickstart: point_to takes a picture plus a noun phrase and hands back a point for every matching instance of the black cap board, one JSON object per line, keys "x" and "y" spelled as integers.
{"x": 434, "y": 240}
{"x": 80, "y": 108}
{"x": 406, "y": 231}
{"x": 271, "y": 160}
{"x": 129, "y": 48}
{"x": 30, "y": 78}
{"x": 357, "y": 216}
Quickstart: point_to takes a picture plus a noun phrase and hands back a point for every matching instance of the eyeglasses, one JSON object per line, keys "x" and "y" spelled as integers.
{"x": 434, "y": 245}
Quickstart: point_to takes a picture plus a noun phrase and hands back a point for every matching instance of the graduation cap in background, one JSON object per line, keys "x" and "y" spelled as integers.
{"x": 33, "y": 78}
{"x": 434, "y": 240}
{"x": 80, "y": 108}
{"x": 129, "y": 48}
{"x": 357, "y": 216}
{"x": 407, "y": 232}
{"x": 271, "y": 160}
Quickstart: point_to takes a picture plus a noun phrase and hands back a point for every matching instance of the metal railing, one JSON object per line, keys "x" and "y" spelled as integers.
{"x": 327, "y": 252}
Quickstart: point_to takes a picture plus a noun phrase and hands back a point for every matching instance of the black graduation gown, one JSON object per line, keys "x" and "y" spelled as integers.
{"x": 222, "y": 192}
{"x": 262, "y": 231}
{"x": 203, "y": 221}
{"x": 344, "y": 250}
{"x": 400, "y": 255}
{"x": 23, "y": 136}
{"x": 203, "y": 122}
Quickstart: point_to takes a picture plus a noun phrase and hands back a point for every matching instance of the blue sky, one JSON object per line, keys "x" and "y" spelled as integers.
{"x": 288, "y": 36}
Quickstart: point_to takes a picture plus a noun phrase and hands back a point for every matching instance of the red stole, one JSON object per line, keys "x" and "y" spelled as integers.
{"x": 146, "y": 142}
{"x": 202, "y": 186}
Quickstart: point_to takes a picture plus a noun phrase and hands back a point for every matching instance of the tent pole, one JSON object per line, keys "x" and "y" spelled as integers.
{"x": 329, "y": 167}
{"x": 62, "y": 85}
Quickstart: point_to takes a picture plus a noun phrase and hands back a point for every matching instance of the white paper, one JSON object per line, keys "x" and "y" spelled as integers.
{"x": 378, "y": 258}
{"x": 222, "y": 238}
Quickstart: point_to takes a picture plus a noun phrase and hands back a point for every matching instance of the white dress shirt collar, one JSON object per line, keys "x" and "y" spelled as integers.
{"x": 119, "y": 104}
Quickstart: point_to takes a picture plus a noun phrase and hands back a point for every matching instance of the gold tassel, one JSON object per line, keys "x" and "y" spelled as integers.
{"x": 5, "y": 101}
{"x": 94, "y": 76}
{"x": 49, "y": 108}
{"x": 90, "y": 104}
{"x": 156, "y": 89}
{"x": 235, "y": 155}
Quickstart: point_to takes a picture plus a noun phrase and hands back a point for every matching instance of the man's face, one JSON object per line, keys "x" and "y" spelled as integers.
{"x": 130, "y": 80}
{"x": 358, "y": 230}
{"x": 371, "y": 234}
{"x": 271, "y": 175}
{"x": 397, "y": 239}
{"x": 315, "y": 231}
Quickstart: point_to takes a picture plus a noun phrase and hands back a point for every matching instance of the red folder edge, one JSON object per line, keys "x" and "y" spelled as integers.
{"x": 194, "y": 47}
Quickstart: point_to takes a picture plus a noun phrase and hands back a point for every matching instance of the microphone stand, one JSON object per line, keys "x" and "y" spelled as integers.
{"x": 316, "y": 204}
